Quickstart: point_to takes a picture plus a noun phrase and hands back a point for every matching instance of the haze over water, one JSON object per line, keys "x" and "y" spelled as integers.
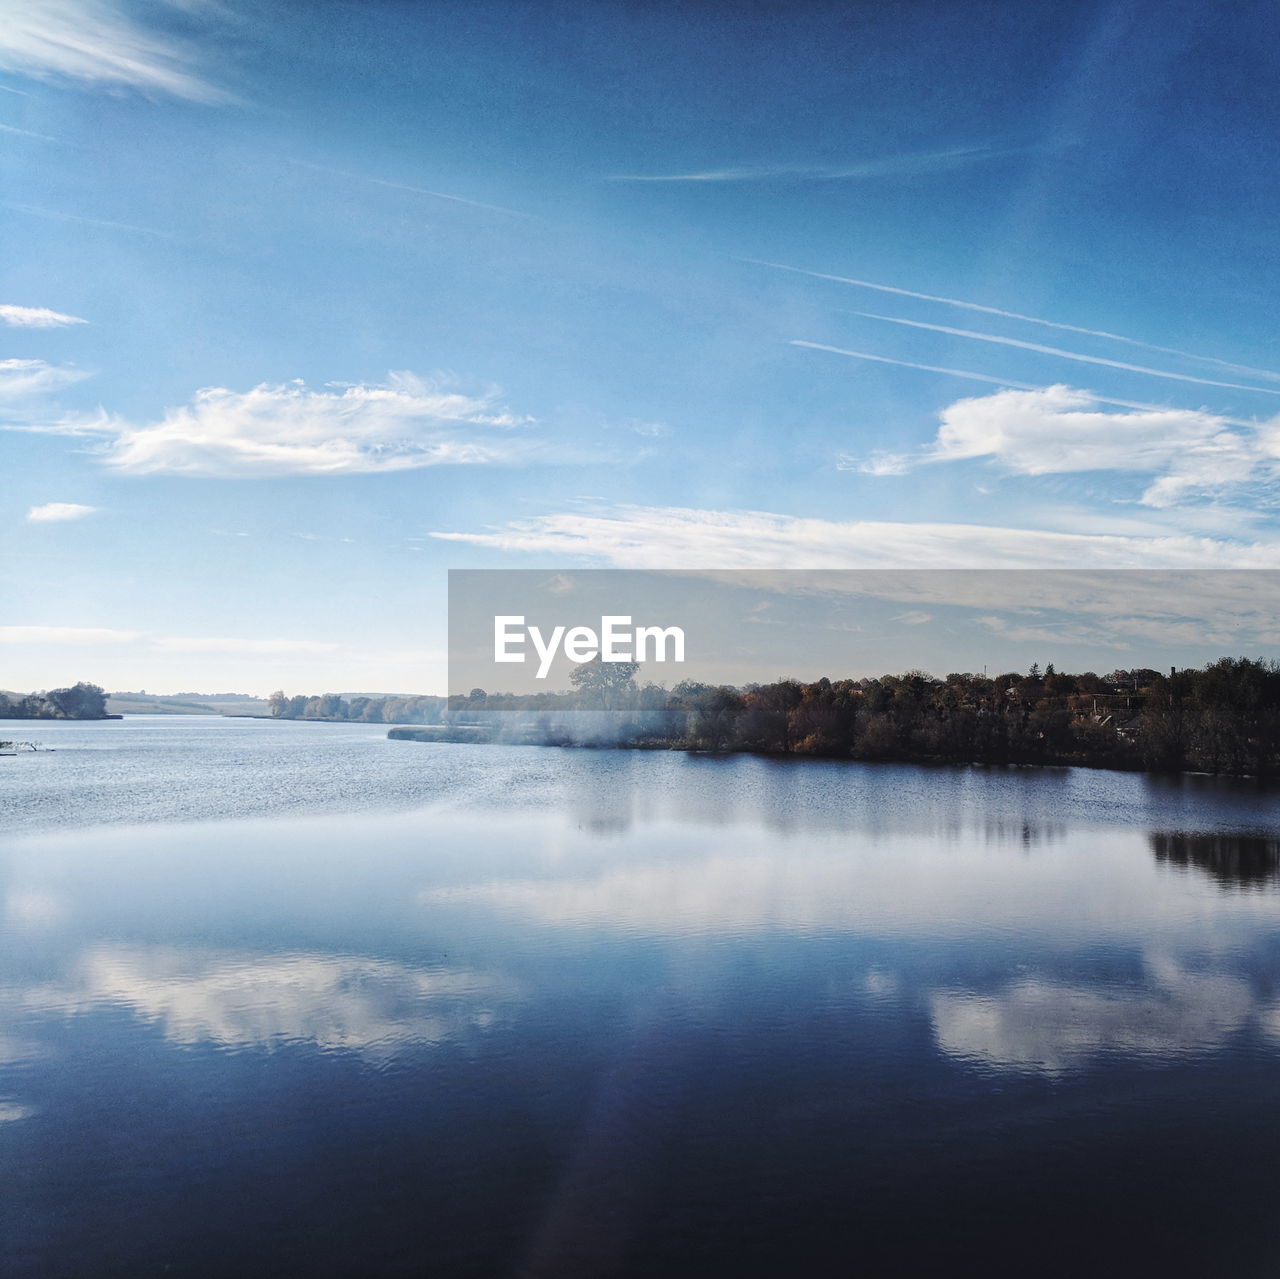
{"x": 291, "y": 998}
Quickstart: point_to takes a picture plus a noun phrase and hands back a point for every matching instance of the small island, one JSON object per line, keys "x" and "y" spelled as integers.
{"x": 79, "y": 701}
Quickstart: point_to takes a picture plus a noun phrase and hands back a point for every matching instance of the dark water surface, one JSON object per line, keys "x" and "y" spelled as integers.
{"x": 286, "y": 999}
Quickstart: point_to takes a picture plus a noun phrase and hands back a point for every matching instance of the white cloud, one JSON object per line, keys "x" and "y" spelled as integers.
{"x": 26, "y": 379}
{"x": 680, "y": 538}
{"x": 35, "y": 317}
{"x": 94, "y": 635}
{"x": 1185, "y": 594}
{"x": 404, "y": 423}
{"x": 35, "y": 658}
{"x": 94, "y": 43}
{"x": 41, "y": 635}
{"x": 398, "y": 425}
{"x": 99, "y": 423}
{"x": 231, "y": 644}
{"x": 1061, "y": 430}
{"x": 1194, "y": 609}
{"x": 60, "y": 511}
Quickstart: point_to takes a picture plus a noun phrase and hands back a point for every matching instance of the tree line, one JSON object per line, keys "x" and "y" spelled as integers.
{"x": 1223, "y": 718}
{"x": 360, "y": 710}
{"x": 80, "y": 701}
{"x": 597, "y": 685}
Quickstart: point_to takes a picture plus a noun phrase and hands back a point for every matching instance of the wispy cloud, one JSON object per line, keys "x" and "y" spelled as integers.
{"x": 35, "y": 317}
{"x": 96, "y": 44}
{"x": 1016, "y": 315}
{"x": 22, "y": 380}
{"x": 59, "y": 215}
{"x": 1060, "y": 430}
{"x": 90, "y": 636}
{"x": 405, "y": 423}
{"x": 413, "y": 190}
{"x": 123, "y": 658}
{"x": 232, "y": 644}
{"x": 885, "y": 166}
{"x": 681, "y": 538}
{"x": 52, "y": 511}
{"x": 86, "y": 635}
{"x": 402, "y": 424}
{"x": 1064, "y": 355}
{"x": 23, "y": 418}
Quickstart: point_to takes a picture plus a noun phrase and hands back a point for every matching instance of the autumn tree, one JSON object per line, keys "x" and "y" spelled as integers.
{"x": 604, "y": 684}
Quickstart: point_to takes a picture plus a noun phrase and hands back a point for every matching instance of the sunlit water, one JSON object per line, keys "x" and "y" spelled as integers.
{"x": 292, "y": 999}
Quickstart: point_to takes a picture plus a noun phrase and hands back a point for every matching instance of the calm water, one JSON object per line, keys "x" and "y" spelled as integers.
{"x": 288, "y": 999}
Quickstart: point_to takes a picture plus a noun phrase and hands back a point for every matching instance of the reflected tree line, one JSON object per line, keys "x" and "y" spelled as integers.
{"x": 1224, "y": 718}
{"x": 1230, "y": 860}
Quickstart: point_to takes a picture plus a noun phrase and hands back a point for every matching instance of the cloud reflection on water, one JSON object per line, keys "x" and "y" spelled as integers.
{"x": 1093, "y": 885}
{"x": 339, "y": 1003}
{"x": 1055, "y": 1027}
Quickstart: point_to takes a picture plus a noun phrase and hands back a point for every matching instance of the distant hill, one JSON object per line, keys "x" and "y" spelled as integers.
{"x": 185, "y": 704}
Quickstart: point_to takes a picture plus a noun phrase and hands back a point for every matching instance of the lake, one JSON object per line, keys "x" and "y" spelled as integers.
{"x": 286, "y": 998}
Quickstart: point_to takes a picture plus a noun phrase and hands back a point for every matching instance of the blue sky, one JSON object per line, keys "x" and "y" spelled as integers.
{"x": 303, "y": 305}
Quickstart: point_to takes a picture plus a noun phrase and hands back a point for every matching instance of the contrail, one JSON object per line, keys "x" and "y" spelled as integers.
{"x": 402, "y": 186}
{"x": 1066, "y": 355}
{"x": 26, "y": 133}
{"x": 76, "y": 217}
{"x": 887, "y": 166}
{"x": 998, "y": 381}
{"x": 1015, "y": 315}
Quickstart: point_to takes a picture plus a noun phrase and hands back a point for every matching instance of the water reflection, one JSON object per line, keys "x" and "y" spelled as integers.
{"x": 615, "y": 791}
{"x": 755, "y": 1004}
{"x": 338, "y": 1003}
{"x": 298, "y": 1041}
{"x": 672, "y": 880}
{"x": 1039, "y": 1024}
{"x": 1230, "y": 860}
